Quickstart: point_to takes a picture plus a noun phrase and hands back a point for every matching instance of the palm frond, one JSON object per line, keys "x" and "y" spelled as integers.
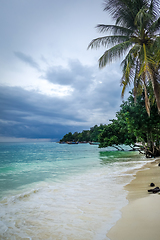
{"x": 113, "y": 53}
{"x": 124, "y": 84}
{"x": 144, "y": 19}
{"x": 145, "y": 64}
{"x": 126, "y": 11}
{"x": 155, "y": 80}
{"x": 114, "y": 29}
{"x": 155, "y": 7}
{"x": 106, "y": 41}
{"x": 128, "y": 72}
{"x": 155, "y": 27}
{"x": 138, "y": 88}
{"x": 156, "y": 50}
{"x": 156, "y": 44}
{"x": 130, "y": 69}
{"x": 131, "y": 56}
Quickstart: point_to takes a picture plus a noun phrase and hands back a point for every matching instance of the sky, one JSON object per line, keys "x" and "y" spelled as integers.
{"x": 50, "y": 83}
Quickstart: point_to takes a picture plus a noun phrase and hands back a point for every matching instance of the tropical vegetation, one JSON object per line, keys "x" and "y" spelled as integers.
{"x": 132, "y": 127}
{"x": 84, "y": 136}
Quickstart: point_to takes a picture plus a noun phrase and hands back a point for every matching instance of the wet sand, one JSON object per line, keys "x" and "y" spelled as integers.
{"x": 141, "y": 217}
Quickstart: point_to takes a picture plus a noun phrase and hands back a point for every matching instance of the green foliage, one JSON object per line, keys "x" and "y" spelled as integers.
{"x": 116, "y": 133}
{"x": 132, "y": 124}
{"x": 145, "y": 128}
{"x": 67, "y": 137}
{"x": 85, "y": 136}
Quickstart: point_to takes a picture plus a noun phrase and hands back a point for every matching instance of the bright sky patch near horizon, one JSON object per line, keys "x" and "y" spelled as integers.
{"x": 50, "y": 83}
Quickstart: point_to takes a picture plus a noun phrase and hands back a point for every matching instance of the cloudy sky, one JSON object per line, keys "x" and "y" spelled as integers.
{"x": 50, "y": 83}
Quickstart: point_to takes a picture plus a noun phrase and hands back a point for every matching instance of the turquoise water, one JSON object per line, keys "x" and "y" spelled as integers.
{"x": 24, "y": 163}
{"x": 61, "y": 191}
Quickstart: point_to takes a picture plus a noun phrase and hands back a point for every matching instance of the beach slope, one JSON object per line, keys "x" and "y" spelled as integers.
{"x": 141, "y": 217}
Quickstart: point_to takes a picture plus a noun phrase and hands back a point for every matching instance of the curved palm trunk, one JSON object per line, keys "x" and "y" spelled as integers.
{"x": 147, "y": 103}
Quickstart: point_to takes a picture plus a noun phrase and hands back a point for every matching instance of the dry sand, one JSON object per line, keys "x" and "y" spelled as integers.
{"x": 141, "y": 217}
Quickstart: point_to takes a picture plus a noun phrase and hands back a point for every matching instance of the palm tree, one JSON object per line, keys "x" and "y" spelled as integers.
{"x": 135, "y": 35}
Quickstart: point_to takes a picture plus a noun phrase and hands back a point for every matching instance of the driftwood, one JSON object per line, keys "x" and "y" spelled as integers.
{"x": 154, "y": 190}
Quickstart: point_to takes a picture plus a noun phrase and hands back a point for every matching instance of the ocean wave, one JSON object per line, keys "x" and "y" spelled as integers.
{"x": 18, "y": 197}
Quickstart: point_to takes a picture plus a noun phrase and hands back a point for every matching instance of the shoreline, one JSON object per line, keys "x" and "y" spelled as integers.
{"x": 141, "y": 216}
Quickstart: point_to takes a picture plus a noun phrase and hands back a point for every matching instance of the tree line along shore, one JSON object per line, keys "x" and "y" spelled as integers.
{"x": 131, "y": 126}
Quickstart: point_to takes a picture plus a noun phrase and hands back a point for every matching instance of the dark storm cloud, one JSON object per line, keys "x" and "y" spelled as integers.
{"x": 32, "y": 115}
{"x": 75, "y": 75}
{"x": 92, "y": 86}
{"x": 27, "y": 59}
{"x": 29, "y": 114}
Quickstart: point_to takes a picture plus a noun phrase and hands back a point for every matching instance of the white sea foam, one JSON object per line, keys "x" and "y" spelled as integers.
{"x": 85, "y": 206}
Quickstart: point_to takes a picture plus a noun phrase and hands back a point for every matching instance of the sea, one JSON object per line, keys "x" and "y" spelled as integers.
{"x": 52, "y": 191}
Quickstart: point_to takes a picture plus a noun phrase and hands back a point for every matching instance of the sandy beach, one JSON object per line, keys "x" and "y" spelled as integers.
{"x": 141, "y": 217}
